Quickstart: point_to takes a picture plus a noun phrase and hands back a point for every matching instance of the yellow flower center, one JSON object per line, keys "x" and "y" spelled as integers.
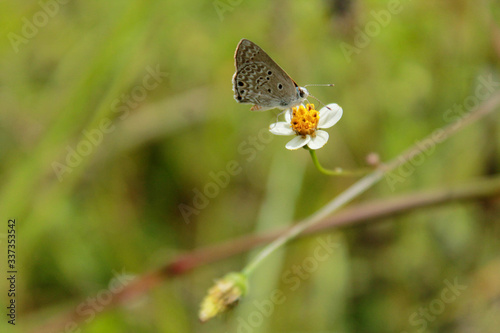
{"x": 305, "y": 120}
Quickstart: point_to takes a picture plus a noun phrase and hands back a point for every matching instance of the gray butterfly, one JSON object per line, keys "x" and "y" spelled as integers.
{"x": 260, "y": 81}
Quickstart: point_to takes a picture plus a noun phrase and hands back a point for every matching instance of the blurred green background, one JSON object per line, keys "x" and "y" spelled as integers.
{"x": 77, "y": 77}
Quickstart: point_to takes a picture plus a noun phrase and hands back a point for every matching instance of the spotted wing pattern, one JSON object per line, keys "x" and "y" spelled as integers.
{"x": 259, "y": 80}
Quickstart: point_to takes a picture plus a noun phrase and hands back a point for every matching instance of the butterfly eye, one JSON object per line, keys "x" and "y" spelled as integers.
{"x": 268, "y": 90}
{"x": 280, "y": 86}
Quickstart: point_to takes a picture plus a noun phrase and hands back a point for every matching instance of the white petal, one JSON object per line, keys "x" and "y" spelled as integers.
{"x": 329, "y": 115}
{"x": 319, "y": 140}
{"x": 298, "y": 142}
{"x": 281, "y": 128}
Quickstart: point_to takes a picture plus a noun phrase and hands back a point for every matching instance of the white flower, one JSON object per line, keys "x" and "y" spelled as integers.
{"x": 306, "y": 123}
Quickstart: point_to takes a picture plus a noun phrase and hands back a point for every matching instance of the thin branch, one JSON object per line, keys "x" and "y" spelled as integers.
{"x": 362, "y": 213}
{"x": 374, "y": 177}
{"x": 200, "y": 257}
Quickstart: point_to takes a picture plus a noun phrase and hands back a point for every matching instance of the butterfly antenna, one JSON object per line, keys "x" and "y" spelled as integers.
{"x": 320, "y": 85}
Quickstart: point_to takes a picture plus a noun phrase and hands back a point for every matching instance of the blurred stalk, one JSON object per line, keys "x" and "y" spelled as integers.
{"x": 283, "y": 191}
{"x": 480, "y": 189}
{"x": 371, "y": 179}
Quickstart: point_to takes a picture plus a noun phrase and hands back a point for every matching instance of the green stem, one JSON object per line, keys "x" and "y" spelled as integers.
{"x": 336, "y": 171}
{"x": 369, "y": 180}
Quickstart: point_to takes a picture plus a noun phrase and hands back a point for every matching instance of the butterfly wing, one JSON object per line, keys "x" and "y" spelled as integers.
{"x": 261, "y": 81}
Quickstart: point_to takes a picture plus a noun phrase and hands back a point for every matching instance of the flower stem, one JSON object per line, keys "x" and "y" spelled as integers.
{"x": 367, "y": 181}
{"x": 336, "y": 171}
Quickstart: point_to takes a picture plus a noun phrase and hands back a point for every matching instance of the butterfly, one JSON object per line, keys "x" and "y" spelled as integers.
{"x": 260, "y": 81}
